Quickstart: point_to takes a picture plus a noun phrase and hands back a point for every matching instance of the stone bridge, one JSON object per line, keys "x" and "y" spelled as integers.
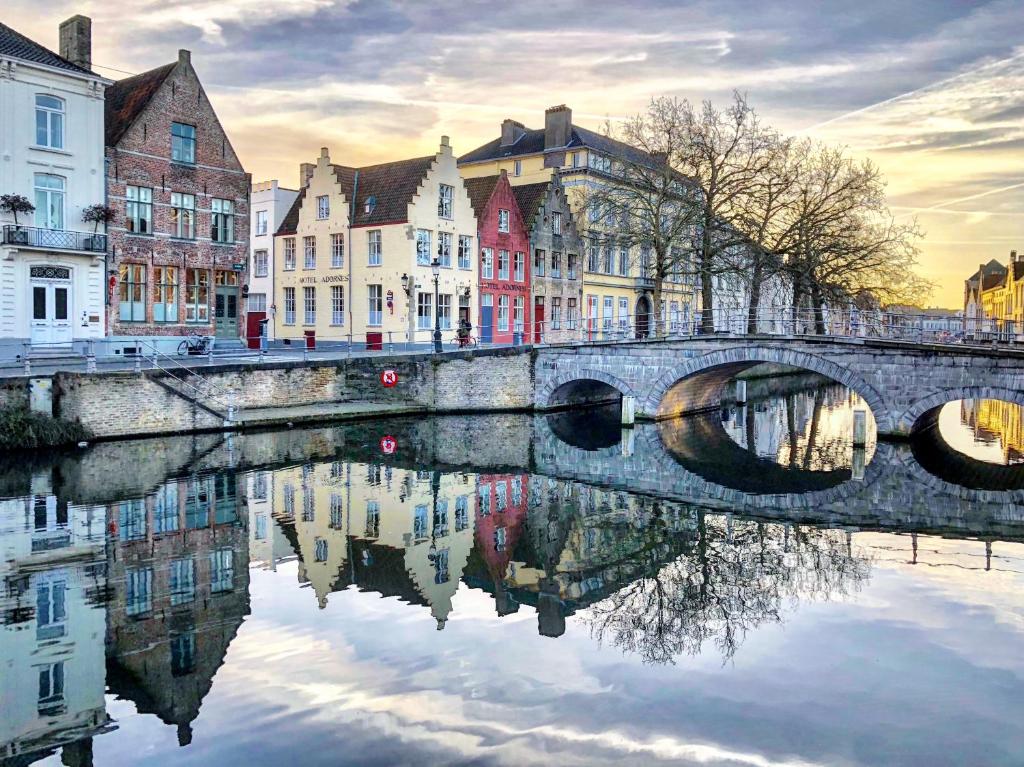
{"x": 895, "y": 491}
{"x": 904, "y": 384}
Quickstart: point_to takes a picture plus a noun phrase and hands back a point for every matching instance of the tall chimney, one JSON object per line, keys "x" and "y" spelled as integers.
{"x": 557, "y": 126}
{"x": 76, "y": 41}
{"x": 511, "y": 131}
{"x": 1013, "y": 256}
{"x": 305, "y": 174}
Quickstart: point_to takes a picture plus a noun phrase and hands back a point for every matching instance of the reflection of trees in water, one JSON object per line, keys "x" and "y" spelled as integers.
{"x": 810, "y": 430}
{"x": 739, "y": 574}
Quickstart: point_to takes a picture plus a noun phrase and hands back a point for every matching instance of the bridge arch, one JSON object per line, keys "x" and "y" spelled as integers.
{"x": 578, "y": 387}
{"x": 923, "y": 413}
{"x": 697, "y": 382}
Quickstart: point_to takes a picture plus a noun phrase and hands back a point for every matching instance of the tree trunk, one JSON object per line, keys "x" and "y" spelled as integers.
{"x": 798, "y": 296}
{"x": 755, "y": 296}
{"x": 707, "y": 298}
{"x": 819, "y": 316}
{"x": 659, "y": 328}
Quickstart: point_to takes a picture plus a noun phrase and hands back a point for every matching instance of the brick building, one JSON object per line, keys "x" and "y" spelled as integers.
{"x": 178, "y": 248}
{"x": 556, "y": 278}
{"x": 504, "y": 266}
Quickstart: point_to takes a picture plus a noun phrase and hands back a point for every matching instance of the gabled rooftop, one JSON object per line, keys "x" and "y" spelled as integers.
{"x": 126, "y": 99}
{"x": 391, "y": 185}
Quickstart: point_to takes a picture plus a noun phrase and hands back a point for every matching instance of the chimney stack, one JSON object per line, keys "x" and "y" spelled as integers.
{"x": 511, "y": 131}
{"x": 557, "y": 127}
{"x": 1013, "y": 256}
{"x": 184, "y": 56}
{"x": 76, "y": 41}
{"x": 305, "y": 174}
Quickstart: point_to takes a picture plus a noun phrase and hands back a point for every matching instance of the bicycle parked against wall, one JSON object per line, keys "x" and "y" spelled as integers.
{"x": 464, "y": 342}
{"x": 194, "y": 343}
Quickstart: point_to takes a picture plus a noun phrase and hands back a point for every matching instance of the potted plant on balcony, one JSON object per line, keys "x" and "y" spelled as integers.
{"x": 15, "y": 204}
{"x": 96, "y": 215}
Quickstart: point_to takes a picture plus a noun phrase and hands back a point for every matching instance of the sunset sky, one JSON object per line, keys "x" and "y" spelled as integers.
{"x": 932, "y": 90}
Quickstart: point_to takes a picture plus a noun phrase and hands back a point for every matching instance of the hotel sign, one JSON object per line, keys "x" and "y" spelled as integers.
{"x": 323, "y": 279}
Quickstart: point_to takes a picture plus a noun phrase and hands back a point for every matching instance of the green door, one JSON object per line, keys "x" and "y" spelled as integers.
{"x": 226, "y": 311}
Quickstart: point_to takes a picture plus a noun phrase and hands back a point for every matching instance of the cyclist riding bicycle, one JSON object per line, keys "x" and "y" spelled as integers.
{"x": 463, "y": 332}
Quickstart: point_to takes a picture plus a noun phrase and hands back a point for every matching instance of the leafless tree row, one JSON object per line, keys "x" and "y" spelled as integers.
{"x": 717, "y": 192}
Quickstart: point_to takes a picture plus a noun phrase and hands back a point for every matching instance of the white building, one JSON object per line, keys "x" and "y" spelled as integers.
{"x": 52, "y": 583}
{"x": 52, "y": 264}
{"x": 268, "y": 205}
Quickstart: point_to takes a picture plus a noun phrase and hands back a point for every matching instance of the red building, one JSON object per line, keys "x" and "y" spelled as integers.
{"x": 502, "y": 507}
{"x": 179, "y": 244}
{"x": 505, "y": 311}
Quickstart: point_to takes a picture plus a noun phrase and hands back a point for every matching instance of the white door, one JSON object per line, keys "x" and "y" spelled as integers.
{"x": 51, "y": 311}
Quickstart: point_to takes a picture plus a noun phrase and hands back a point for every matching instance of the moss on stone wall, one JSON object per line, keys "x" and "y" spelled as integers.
{"x": 21, "y": 428}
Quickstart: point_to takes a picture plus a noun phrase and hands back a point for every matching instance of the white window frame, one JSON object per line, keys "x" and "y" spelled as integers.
{"x": 289, "y": 254}
{"x": 503, "y": 219}
{"x": 374, "y": 248}
{"x": 503, "y": 309}
{"x": 503, "y": 265}
{"x": 261, "y": 222}
{"x": 556, "y": 223}
{"x": 424, "y": 311}
{"x": 337, "y": 250}
{"x": 54, "y": 119}
{"x": 138, "y": 208}
{"x": 338, "y": 305}
{"x": 183, "y": 215}
{"x": 375, "y": 305}
{"x": 519, "y": 266}
{"x": 487, "y": 263}
{"x": 444, "y": 310}
{"x": 260, "y": 262}
{"x": 309, "y": 252}
{"x": 423, "y": 251}
{"x": 465, "y": 251}
{"x": 323, "y": 207}
{"x": 444, "y": 249}
{"x": 445, "y": 201}
{"x": 289, "y": 306}
{"x": 519, "y": 314}
{"x": 309, "y": 305}
{"x": 50, "y": 200}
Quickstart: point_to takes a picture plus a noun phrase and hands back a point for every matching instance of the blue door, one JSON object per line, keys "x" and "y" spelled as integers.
{"x": 486, "y": 331}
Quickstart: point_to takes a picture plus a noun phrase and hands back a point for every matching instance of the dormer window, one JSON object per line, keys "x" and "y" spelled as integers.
{"x": 371, "y": 203}
{"x": 49, "y": 121}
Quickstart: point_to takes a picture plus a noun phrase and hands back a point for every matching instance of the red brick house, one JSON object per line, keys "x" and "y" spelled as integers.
{"x": 505, "y": 306}
{"x": 178, "y": 248}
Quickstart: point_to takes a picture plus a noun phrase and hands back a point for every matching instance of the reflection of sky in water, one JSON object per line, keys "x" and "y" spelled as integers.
{"x": 891, "y": 675}
{"x": 988, "y": 430}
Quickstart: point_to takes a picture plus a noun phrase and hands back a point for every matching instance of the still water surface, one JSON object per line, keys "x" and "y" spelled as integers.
{"x": 512, "y": 590}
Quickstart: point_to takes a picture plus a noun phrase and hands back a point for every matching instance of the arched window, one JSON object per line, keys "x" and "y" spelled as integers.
{"x": 49, "y": 201}
{"x": 49, "y": 121}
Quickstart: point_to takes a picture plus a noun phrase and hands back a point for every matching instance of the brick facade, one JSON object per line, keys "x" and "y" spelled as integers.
{"x": 139, "y": 154}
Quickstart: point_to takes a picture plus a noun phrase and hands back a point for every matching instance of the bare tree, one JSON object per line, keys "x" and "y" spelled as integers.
{"x": 644, "y": 204}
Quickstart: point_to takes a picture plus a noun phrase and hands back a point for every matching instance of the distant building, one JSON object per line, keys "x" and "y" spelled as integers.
{"x": 51, "y": 125}
{"x": 179, "y": 246}
{"x": 987, "y": 299}
{"x": 269, "y": 202}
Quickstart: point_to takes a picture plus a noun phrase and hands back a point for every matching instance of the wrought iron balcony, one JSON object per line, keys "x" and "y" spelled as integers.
{"x": 54, "y": 239}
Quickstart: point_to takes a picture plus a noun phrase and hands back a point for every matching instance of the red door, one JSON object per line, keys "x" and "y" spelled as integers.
{"x": 538, "y": 319}
{"x": 252, "y": 328}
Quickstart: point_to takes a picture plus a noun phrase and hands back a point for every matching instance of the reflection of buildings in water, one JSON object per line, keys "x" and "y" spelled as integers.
{"x": 268, "y": 545}
{"x": 178, "y": 567}
{"x": 996, "y": 421}
{"x": 343, "y": 516}
{"x": 501, "y": 509}
{"x": 52, "y": 587}
{"x": 811, "y": 429}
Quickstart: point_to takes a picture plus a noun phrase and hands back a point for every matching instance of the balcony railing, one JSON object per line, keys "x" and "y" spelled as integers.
{"x": 55, "y": 239}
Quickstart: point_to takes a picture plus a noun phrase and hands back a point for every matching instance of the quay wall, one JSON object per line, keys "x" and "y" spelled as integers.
{"x": 125, "y": 403}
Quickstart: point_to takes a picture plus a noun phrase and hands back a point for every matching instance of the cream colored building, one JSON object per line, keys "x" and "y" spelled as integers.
{"x": 345, "y": 514}
{"x": 353, "y": 255}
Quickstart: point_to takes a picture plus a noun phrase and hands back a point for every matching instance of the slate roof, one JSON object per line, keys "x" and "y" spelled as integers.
{"x": 125, "y": 100}
{"x": 391, "y": 184}
{"x": 530, "y": 197}
{"x": 532, "y": 142}
{"x": 16, "y": 45}
{"x": 992, "y": 267}
{"x": 480, "y": 190}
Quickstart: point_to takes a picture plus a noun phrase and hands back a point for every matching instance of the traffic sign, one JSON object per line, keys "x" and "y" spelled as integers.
{"x": 388, "y": 445}
{"x": 389, "y": 378}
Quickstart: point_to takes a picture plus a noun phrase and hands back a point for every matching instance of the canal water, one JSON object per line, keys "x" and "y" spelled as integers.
{"x": 743, "y": 587}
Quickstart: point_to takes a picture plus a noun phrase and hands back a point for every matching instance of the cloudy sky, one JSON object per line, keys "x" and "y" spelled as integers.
{"x": 932, "y": 90}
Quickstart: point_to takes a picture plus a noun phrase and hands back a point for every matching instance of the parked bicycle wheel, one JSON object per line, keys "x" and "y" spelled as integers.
{"x": 183, "y": 348}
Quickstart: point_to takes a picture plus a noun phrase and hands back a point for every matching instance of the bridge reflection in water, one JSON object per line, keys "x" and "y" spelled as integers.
{"x": 134, "y": 591}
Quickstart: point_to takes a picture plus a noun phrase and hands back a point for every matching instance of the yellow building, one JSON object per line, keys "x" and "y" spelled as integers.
{"x": 353, "y": 255}
{"x": 617, "y": 293}
{"x": 349, "y": 516}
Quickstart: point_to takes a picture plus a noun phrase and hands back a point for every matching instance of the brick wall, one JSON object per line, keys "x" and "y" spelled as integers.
{"x": 142, "y": 158}
{"x": 14, "y": 392}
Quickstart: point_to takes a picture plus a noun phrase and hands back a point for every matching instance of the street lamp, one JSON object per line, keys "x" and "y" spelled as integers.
{"x": 435, "y": 267}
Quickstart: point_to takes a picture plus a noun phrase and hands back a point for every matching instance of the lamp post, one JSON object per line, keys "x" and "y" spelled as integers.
{"x": 435, "y": 267}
